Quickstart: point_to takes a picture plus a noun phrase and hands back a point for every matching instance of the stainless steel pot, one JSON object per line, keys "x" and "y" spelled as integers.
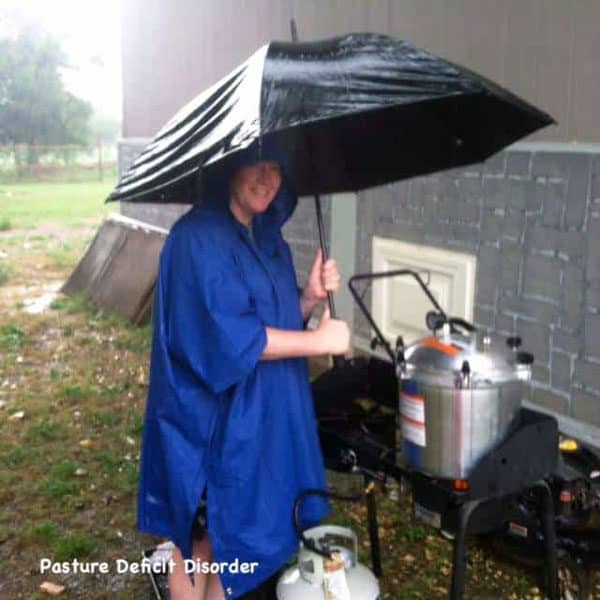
{"x": 459, "y": 394}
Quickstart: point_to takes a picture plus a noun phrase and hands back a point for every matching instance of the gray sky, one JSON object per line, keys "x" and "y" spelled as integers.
{"x": 90, "y": 33}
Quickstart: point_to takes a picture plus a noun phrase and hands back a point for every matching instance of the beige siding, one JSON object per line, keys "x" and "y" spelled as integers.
{"x": 547, "y": 51}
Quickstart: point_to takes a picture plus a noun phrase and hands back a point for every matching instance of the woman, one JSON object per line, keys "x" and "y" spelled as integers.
{"x": 229, "y": 424}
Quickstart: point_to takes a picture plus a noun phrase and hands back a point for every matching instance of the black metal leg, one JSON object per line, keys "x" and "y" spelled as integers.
{"x": 373, "y": 527}
{"x": 459, "y": 559}
{"x": 549, "y": 529}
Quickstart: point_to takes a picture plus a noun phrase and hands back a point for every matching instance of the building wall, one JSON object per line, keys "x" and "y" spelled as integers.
{"x": 301, "y": 233}
{"x": 543, "y": 50}
{"x": 532, "y": 219}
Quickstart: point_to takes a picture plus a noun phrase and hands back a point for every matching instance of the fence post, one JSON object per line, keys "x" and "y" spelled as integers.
{"x": 17, "y": 160}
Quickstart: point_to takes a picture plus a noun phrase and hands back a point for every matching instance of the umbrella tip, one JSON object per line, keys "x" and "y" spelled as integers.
{"x": 293, "y": 30}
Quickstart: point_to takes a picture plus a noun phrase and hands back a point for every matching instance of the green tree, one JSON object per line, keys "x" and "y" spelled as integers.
{"x": 34, "y": 106}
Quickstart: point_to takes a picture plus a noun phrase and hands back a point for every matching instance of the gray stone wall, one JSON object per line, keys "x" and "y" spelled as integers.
{"x": 532, "y": 218}
{"x": 302, "y": 233}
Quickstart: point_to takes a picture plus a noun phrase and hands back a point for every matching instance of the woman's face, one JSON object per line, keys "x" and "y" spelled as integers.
{"x": 254, "y": 188}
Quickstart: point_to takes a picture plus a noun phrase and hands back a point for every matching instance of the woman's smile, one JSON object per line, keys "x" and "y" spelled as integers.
{"x": 254, "y": 188}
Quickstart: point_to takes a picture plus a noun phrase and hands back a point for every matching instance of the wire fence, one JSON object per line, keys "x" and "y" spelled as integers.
{"x": 36, "y": 163}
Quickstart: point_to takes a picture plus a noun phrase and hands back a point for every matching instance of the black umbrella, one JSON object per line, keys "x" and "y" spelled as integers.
{"x": 351, "y": 112}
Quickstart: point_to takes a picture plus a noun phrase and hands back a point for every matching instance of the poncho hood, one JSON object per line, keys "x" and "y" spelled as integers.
{"x": 216, "y": 187}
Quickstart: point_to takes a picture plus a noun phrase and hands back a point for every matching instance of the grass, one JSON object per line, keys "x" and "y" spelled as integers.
{"x": 76, "y": 303}
{"x": 108, "y": 460}
{"x": 26, "y": 205}
{"x": 413, "y": 533}
{"x": 102, "y": 418}
{"x": 48, "y": 534}
{"x": 20, "y": 455}
{"x": 59, "y": 498}
{"x": 43, "y": 431}
{"x": 57, "y": 488}
{"x": 5, "y": 272}
{"x": 11, "y": 337}
{"x": 5, "y": 224}
{"x": 136, "y": 339}
{"x": 63, "y": 256}
{"x": 64, "y": 470}
{"x": 71, "y": 392}
{"x": 73, "y": 546}
{"x": 60, "y": 481}
{"x": 45, "y": 532}
{"x": 135, "y": 424}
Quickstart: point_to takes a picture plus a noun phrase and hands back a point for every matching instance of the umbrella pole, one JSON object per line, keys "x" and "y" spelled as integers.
{"x": 323, "y": 244}
{"x": 338, "y": 361}
{"x": 322, "y": 241}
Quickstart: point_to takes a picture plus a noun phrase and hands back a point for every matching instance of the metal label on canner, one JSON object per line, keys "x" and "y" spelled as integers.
{"x": 412, "y": 417}
{"x": 428, "y": 516}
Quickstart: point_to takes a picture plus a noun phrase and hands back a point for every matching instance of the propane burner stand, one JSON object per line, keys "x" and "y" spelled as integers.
{"x": 498, "y": 476}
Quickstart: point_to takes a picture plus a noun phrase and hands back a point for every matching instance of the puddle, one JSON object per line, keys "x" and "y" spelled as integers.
{"x": 35, "y": 306}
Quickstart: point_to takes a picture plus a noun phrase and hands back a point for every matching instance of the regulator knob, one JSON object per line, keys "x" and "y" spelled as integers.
{"x": 399, "y": 349}
{"x": 434, "y": 320}
{"x": 525, "y": 358}
{"x": 464, "y": 378}
{"x": 514, "y": 342}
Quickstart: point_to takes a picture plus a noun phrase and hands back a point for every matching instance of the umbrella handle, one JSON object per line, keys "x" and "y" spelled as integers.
{"x": 338, "y": 361}
{"x": 324, "y": 250}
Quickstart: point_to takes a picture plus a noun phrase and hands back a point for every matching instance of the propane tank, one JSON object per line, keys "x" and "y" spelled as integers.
{"x": 340, "y": 577}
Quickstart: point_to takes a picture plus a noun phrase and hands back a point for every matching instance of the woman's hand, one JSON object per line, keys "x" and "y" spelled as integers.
{"x": 333, "y": 335}
{"x": 323, "y": 278}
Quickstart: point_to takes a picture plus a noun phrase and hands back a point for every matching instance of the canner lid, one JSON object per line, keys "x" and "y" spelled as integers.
{"x": 481, "y": 356}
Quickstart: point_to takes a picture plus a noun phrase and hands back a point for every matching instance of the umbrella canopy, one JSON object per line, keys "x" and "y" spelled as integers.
{"x": 350, "y": 112}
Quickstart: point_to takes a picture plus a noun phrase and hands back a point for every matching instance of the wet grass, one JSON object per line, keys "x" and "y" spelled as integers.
{"x": 43, "y": 431}
{"x": 63, "y": 257}
{"x": 74, "y": 546}
{"x": 19, "y": 455}
{"x": 11, "y": 337}
{"x": 78, "y": 375}
{"x": 26, "y": 205}
{"x": 5, "y": 272}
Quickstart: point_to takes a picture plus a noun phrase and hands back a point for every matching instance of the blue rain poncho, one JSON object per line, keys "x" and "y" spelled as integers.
{"x": 219, "y": 420}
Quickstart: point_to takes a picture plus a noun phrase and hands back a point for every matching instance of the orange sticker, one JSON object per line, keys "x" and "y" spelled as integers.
{"x": 434, "y": 343}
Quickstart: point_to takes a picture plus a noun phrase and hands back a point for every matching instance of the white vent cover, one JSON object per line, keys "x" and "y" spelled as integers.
{"x": 399, "y": 304}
